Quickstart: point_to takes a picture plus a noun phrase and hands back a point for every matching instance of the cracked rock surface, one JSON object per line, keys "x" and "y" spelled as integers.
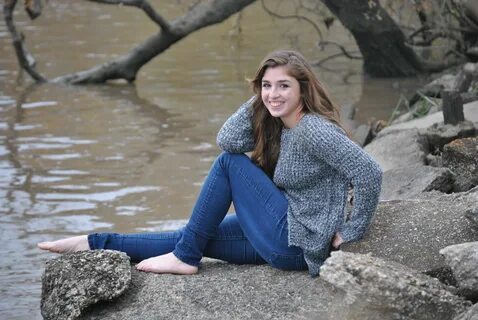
{"x": 75, "y": 281}
{"x": 379, "y": 289}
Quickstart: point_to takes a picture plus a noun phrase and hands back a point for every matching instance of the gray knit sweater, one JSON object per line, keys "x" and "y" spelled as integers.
{"x": 317, "y": 164}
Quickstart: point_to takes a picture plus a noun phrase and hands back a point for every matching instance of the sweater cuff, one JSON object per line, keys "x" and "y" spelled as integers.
{"x": 348, "y": 233}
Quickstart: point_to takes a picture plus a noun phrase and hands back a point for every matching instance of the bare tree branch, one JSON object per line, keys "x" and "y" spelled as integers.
{"x": 25, "y": 59}
{"x": 344, "y": 52}
{"x": 320, "y": 62}
{"x": 296, "y": 16}
{"x": 432, "y": 66}
{"x": 432, "y": 35}
{"x": 33, "y": 8}
{"x": 460, "y": 10}
{"x": 198, "y": 16}
{"x": 126, "y": 67}
{"x": 145, "y": 6}
{"x": 323, "y": 44}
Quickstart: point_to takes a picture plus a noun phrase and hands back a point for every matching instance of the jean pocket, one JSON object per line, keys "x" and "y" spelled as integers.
{"x": 288, "y": 262}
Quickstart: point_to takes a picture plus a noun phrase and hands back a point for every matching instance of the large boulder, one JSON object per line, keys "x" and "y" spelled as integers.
{"x": 224, "y": 291}
{"x": 379, "y": 289}
{"x": 409, "y": 182}
{"x": 461, "y": 156}
{"x": 470, "y": 110}
{"x": 440, "y": 134}
{"x": 399, "y": 149}
{"x": 75, "y": 281}
{"x": 470, "y": 314}
{"x": 227, "y": 291}
{"x": 363, "y": 135}
{"x": 412, "y": 232}
{"x": 463, "y": 261}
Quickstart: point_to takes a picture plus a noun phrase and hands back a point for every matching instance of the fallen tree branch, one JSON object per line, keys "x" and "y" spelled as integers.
{"x": 432, "y": 66}
{"x": 126, "y": 67}
{"x": 433, "y": 35}
{"x": 25, "y": 59}
{"x": 145, "y": 6}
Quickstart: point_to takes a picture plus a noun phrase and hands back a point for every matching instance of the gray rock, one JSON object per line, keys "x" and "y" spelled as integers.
{"x": 463, "y": 261}
{"x": 227, "y": 291}
{"x": 445, "y": 82}
{"x": 412, "y": 232}
{"x": 397, "y": 149}
{"x": 473, "y": 51}
{"x": 461, "y": 156}
{"x": 470, "y": 110}
{"x": 472, "y": 216}
{"x": 74, "y": 281}
{"x": 363, "y": 135}
{"x": 470, "y": 314}
{"x": 379, "y": 289}
{"x": 406, "y": 183}
{"x": 347, "y": 111}
{"x": 440, "y": 134}
{"x": 224, "y": 291}
{"x": 434, "y": 160}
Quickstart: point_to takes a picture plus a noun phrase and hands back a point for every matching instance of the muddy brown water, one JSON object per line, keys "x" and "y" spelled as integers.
{"x": 130, "y": 158}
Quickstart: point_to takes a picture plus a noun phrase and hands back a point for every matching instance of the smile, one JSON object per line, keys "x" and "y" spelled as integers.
{"x": 275, "y": 103}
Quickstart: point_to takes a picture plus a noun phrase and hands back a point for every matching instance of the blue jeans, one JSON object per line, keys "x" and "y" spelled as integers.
{"x": 256, "y": 234}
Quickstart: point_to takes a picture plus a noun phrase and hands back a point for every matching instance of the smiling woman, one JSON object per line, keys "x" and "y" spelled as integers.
{"x": 289, "y": 197}
{"x": 281, "y": 95}
{"x": 304, "y": 92}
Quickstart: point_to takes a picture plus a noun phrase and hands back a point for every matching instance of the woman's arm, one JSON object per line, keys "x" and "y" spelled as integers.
{"x": 330, "y": 144}
{"x": 236, "y": 134}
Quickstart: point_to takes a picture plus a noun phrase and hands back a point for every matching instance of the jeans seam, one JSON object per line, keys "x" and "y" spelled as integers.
{"x": 206, "y": 200}
{"x": 161, "y": 238}
{"x": 286, "y": 256}
{"x": 227, "y": 238}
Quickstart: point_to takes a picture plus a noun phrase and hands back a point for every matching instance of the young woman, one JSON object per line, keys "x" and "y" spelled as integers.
{"x": 289, "y": 197}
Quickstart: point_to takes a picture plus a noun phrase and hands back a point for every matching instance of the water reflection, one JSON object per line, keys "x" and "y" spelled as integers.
{"x": 78, "y": 158}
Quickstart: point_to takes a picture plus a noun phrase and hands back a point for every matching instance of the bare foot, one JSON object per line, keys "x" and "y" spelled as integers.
{"x": 166, "y": 263}
{"x": 73, "y": 244}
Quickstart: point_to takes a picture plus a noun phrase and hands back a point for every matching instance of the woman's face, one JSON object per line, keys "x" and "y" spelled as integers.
{"x": 281, "y": 95}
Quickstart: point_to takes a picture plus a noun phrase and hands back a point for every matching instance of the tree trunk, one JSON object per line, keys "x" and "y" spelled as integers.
{"x": 379, "y": 38}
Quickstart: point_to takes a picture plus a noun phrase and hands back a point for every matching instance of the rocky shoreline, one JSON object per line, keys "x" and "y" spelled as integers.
{"x": 418, "y": 260}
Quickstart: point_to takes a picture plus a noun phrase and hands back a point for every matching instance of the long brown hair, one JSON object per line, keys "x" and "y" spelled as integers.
{"x": 314, "y": 99}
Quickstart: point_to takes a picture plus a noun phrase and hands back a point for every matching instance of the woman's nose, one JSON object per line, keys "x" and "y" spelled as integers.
{"x": 274, "y": 92}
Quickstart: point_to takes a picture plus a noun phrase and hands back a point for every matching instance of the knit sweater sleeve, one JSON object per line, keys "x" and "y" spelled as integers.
{"x": 236, "y": 135}
{"x": 330, "y": 144}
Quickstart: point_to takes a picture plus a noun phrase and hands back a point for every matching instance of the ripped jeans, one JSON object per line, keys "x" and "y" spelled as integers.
{"x": 256, "y": 234}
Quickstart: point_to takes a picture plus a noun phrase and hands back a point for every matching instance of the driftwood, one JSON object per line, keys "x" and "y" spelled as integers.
{"x": 452, "y": 107}
{"x": 200, "y": 15}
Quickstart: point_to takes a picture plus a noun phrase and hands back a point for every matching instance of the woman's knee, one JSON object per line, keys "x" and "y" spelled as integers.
{"x": 225, "y": 158}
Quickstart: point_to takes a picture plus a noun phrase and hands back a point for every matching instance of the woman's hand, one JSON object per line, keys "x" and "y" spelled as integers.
{"x": 337, "y": 240}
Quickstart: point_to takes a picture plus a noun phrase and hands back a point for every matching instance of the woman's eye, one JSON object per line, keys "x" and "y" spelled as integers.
{"x": 284, "y": 86}
{"x": 266, "y": 85}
